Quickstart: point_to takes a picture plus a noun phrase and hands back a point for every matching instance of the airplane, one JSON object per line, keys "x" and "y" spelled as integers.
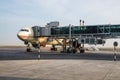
{"x": 27, "y": 36}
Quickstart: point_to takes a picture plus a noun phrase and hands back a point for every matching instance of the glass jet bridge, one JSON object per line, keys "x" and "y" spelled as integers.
{"x": 90, "y": 34}
{"x": 92, "y": 30}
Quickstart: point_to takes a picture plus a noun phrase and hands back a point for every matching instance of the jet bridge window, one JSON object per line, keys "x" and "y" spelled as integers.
{"x": 115, "y": 28}
{"x": 24, "y": 30}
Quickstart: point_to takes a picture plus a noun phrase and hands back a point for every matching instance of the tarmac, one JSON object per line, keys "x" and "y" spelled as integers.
{"x": 17, "y": 64}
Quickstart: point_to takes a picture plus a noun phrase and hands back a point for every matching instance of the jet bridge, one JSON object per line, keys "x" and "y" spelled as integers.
{"x": 90, "y": 34}
{"x": 88, "y": 31}
{"x": 92, "y": 30}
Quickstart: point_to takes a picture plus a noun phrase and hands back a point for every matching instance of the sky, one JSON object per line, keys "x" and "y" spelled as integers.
{"x": 16, "y": 14}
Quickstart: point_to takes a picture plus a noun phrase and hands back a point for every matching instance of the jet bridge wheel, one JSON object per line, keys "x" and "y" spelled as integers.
{"x": 71, "y": 50}
{"x": 82, "y": 50}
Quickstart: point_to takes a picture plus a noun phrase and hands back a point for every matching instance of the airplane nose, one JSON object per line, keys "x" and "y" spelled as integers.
{"x": 19, "y": 36}
{"x": 23, "y": 36}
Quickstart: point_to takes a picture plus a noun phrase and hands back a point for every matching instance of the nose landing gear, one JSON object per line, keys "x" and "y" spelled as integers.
{"x": 28, "y": 48}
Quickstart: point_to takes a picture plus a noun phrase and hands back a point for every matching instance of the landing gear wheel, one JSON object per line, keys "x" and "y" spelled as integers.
{"x": 74, "y": 50}
{"x": 69, "y": 50}
{"x": 82, "y": 50}
{"x": 28, "y": 50}
{"x": 53, "y": 49}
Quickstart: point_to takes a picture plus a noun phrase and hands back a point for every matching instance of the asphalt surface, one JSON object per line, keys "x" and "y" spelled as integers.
{"x": 16, "y": 64}
{"x": 21, "y": 54}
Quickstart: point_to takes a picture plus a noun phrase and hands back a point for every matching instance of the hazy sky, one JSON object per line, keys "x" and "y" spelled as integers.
{"x": 16, "y": 14}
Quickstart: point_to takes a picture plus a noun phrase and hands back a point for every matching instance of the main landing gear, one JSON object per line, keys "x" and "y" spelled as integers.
{"x": 53, "y": 48}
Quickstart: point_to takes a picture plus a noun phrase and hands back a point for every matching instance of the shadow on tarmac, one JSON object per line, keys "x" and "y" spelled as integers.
{"x": 55, "y": 55}
{"x": 19, "y": 78}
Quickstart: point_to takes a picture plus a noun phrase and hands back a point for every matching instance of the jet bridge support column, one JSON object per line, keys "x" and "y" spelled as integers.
{"x": 82, "y": 49}
{"x": 64, "y": 45}
{"x": 72, "y": 46}
{"x": 81, "y": 42}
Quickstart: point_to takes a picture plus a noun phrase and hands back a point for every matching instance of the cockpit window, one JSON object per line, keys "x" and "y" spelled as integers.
{"x": 24, "y": 30}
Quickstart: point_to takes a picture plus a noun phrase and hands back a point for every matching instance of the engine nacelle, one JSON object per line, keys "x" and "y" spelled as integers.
{"x": 35, "y": 45}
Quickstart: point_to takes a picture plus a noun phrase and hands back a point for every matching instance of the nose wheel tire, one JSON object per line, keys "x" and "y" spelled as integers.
{"x": 28, "y": 50}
